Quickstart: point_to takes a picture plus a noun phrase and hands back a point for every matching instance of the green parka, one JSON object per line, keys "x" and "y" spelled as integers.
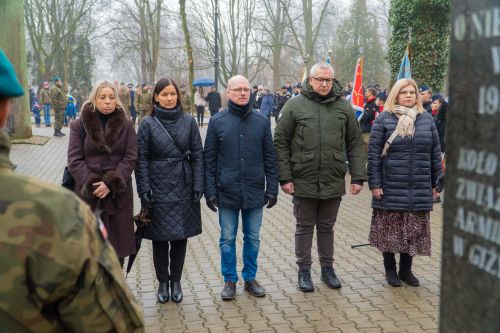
{"x": 313, "y": 138}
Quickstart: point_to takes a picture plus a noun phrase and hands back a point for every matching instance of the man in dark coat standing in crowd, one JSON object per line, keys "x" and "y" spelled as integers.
{"x": 214, "y": 101}
{"x": 241, "y": 175}
{"x": 369, "y": 113}
{"x": 425, "y": 96}
{"x": 315, "y": 133}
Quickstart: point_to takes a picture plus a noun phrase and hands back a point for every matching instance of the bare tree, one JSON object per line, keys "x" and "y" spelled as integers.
{"x": 306, "y": 42}
{"x": 141, "y": 35}
{"x": 57, "y": 29}
{"x": 189, "y": 50}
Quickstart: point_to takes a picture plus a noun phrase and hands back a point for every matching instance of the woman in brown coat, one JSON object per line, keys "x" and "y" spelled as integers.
{"x": 102, "y": 153}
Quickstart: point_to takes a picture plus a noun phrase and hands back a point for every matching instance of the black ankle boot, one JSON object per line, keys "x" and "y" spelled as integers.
{"x": 405, "y": 273}
{"x": 163, "y": 294}
{"x": 328, "y": 276}
{"x": 391, "y": 275}
{"x": 176, "y": 291}
{"x": 305, "y": 282}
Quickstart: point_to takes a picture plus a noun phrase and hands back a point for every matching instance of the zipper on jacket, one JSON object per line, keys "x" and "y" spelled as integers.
{"x": 412, "y": 157}
{"x": 320, "y": 148}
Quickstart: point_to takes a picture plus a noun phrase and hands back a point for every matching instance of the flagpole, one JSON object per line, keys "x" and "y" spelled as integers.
{"x": 409, "y": 43}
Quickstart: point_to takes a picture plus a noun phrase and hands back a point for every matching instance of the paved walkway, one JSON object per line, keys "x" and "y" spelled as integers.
{"x": 364, "y": 304}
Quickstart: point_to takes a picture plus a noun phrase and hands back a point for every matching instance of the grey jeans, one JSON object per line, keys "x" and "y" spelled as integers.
{"x": 310, "y": 213}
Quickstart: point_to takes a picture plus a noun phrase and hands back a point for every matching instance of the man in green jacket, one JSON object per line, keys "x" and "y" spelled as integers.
{"x": 58, "y": 271}
{"x": 315, "y": 132}
{"x": 59, "y": 104}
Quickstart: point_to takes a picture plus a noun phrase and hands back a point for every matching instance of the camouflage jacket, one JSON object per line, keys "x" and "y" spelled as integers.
{"x": 45, "y": 96}
{"x": 124, "y": 95}
{"x": 58, "y": 273}
{"x": 58, "y": 98}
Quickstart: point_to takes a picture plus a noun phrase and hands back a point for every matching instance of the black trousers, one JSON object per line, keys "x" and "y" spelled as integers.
{"x": 169, "y": 264}
{"x": 200, "y": 113}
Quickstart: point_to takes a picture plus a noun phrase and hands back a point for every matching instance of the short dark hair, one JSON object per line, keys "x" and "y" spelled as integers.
{"x": 159, "y": 86}
{"x": 372, "y": 91}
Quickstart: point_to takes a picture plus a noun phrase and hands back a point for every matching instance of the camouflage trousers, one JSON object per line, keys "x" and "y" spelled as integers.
{"x": 58, "y": 115}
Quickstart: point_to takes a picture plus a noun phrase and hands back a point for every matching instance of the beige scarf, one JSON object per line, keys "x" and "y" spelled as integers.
{"x": 406, "y": 123}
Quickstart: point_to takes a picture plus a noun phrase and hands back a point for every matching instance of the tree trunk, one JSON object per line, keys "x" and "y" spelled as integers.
{"x": 189, "y": 50}
{"x": 14, "y": 46}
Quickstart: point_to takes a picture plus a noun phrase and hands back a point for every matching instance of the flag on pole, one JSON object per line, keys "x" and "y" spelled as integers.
{"x": 405, "y": 67}
{"x": 357, "y": 97}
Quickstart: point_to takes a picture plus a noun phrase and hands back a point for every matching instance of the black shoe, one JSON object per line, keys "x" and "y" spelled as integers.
{"x": 162, "y": 294}
{"x": 305, "y": 282}
{"x": 254, "y": 288}
{"x": 229, "y": 291}
{"x": 61, "y": 133}
{"x": 328, "y": 276}
{"x": 57, "y": 133}
{"x": 176, "y": 292}
{"x": 392, "y": 278}
{"x": 407, "y": 277}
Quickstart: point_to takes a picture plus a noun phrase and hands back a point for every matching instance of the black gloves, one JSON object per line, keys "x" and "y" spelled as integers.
{"x": 147, "y": 199}
{"x": 212, "y": 203}
{"x": 197, "y": 196}
{"x": 440, "y": 184}
{"x": 271, "y": 200}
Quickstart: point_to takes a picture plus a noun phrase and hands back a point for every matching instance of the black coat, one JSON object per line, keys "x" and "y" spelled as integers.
{"x": 172, "y": 177}
{"x": 240, "y": 160}
{"x": 411, "y": 167}
{"x": 366, "y": 121}
{"x": 214, "y": 101}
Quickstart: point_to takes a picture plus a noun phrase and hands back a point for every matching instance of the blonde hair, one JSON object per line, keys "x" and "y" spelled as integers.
{"x": 95, "y": 91}
{"x": 392, "y": 99}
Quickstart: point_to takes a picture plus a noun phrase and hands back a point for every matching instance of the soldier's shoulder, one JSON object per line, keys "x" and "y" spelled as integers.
{"x": 45, "y": 200}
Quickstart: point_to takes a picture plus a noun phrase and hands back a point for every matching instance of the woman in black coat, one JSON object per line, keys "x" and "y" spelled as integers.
{"x": 170, "y": 178}
{"x": 404, "y": 165}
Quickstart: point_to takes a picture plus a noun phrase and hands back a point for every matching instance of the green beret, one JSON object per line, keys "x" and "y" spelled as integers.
{"x": 9, "y": 85}
{"x": 55, "y": 78}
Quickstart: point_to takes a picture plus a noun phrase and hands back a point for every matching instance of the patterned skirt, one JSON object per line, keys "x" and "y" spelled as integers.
{"x": 401, "y": 232}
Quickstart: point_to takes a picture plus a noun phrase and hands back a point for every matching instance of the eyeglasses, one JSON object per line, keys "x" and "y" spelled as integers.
{"x": 322, "y": 80}
{"x": 240, "y": 90}
{"x": 406, "y": 92}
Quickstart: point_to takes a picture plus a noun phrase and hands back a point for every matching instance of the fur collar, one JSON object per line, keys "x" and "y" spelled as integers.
{"x": 94, "y": 130}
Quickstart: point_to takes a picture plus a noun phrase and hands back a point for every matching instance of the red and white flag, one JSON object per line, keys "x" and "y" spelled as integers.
{"x": 357, "y": 96}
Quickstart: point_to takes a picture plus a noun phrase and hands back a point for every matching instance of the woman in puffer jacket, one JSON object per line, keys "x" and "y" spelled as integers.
{"x": 404, "y": 165}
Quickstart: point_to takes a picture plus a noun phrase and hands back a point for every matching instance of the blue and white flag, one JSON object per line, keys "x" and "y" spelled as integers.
{"x": 405, "y": 68}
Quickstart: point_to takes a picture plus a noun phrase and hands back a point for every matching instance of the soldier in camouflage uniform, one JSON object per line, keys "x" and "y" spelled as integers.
{"x": 59, "y": 103}
{"x": 143, "y": 102}
{"x": 58, "y": 272}
{"x": 124, "y": 95}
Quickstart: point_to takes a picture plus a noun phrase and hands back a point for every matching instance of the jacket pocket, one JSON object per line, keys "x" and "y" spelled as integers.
{"x": 301, "y": 163}
{"x": 338, "y": 164}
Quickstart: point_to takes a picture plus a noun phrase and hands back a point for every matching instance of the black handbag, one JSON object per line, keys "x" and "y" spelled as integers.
{"x": 68, "y": 181}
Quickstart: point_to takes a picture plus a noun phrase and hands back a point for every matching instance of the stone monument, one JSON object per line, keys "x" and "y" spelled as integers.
{"x": 470, "y": 280}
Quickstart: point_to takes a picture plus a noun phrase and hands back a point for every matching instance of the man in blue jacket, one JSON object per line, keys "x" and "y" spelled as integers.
{"x": 241, "y": 175}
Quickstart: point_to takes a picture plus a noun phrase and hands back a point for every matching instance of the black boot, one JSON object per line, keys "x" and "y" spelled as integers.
{"x": 162, "y": 294}
{"x": 176, "y": 291}
{"x": 391, "y": 274}
{"x": 328, "y": 276}
{"x": 405, "y": 273}
{"x": 305, "y": 282}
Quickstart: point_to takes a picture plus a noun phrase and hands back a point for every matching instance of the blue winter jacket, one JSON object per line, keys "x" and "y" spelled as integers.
{"x": 240, "y": 160}
{"x": 267, "y": 105}
{"x": 411, "y": 167}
